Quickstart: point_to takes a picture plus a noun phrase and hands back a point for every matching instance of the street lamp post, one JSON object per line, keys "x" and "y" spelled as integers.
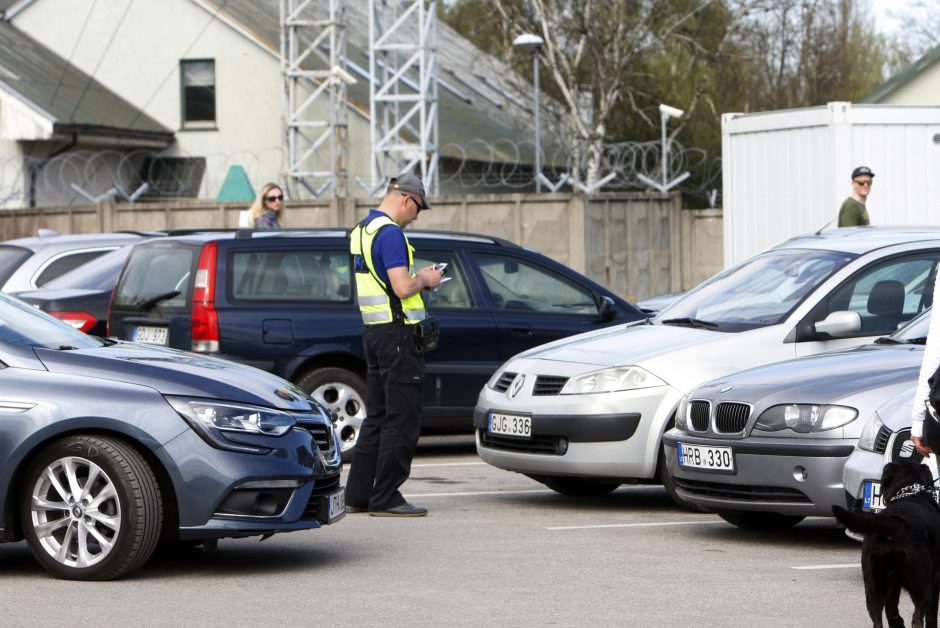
{"x": 532, "y": 44}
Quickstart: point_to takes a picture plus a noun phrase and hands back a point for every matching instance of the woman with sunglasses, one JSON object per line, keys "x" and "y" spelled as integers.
{"x": 265, "y": 212}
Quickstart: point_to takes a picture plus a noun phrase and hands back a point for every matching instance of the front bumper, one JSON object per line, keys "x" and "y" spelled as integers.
{"x": 608, "y": 435}
{"x": 799, "y": 477}
{"x": 231, "y": 494}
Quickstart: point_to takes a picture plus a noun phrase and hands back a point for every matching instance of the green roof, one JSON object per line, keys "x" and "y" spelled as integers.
{"x": 903, "y": 77}
{"x": 75, "y": 101}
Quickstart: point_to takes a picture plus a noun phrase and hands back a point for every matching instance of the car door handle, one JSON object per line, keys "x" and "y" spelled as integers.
{"x": 521, "y": 331}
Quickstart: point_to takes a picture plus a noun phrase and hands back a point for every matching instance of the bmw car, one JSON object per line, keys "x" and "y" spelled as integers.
{"x": 108, "y": 447}
{"x": 587, "y": 413}
{"x": 885, "y": 437}
{"x": 766, "y": 447}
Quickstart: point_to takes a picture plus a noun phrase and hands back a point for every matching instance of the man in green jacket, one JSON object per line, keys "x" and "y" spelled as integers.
{"x": 853, "y": 212}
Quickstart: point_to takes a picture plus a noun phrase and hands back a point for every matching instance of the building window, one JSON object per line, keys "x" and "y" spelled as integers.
{"x": 198, "y": 92}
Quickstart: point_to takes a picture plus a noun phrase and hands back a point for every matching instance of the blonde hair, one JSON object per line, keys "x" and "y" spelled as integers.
{"x": 257, "y": 208}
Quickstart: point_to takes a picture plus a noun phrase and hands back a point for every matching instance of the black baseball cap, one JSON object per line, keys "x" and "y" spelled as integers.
{"x": 862, "y": 171}
{"x": 412, "y": 185}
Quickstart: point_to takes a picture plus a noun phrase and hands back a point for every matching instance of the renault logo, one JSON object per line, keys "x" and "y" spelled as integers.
{"x": 516, "y": 385}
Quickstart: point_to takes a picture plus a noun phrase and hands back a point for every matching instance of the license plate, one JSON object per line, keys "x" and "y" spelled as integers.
{"x": 706, "y": 457}
{"x": 510, "y": 425}
{"x": 872, "y": 499}
{"x": 150, "y": 335}
{"x": 335, "y": 505}
{"x": 872, "y": 496}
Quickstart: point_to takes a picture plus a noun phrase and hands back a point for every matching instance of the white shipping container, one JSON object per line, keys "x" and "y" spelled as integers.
{"x": 785, "y": 173}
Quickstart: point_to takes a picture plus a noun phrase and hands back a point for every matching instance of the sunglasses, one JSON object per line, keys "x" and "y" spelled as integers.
{"x": 864, "y": 184}
{"x": 414, "y": 200}
{"x": 271, "y": 199}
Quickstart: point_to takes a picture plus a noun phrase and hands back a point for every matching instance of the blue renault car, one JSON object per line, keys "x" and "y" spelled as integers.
{"x": 108, "y": 447}
{"x": 284, "y": 302}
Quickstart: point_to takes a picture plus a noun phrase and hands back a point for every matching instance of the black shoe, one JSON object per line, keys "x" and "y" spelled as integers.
{"x": 354, "y": 509}
{"x": 404, "y": 510}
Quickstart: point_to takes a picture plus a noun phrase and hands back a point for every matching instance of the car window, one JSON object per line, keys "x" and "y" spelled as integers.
{"x": 153, "y": 271}
{"x": 885, "y": 295}
{"x": 453, "y": 294}
{"x": 314, "y": 276}
{"x": 520, "y": 285}
{"x": 62, "y": 264}
{"x": 23, "y": 325}
{"x": 760, "y": 291}
{"x": 100, "y": 273}
{"x": 917, "y": 328}
{"x": 11, "y": 257}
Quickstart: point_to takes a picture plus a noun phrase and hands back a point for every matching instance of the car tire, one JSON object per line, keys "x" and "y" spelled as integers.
{"x": 578, "y": 487}
{"x": 759, "y": 520}
{"x": 90, "y": 508}
{"x": 343, "y": 394}
{"x": 662, "y": 473}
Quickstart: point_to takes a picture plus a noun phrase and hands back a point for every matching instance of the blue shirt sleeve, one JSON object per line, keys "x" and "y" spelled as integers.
{"x": 390, "y": 249}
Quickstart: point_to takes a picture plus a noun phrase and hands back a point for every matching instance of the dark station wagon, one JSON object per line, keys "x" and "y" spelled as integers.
{"x": 284, "y": 302}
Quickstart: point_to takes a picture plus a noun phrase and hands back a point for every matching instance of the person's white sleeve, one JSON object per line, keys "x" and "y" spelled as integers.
{"x": 927, "y": 368}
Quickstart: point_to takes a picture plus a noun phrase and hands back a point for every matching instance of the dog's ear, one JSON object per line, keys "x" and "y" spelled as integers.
{"x": 925, "y": 475}
{"x": 889, "y": 472}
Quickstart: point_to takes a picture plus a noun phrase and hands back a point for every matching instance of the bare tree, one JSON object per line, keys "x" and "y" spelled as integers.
{"x": 598, "y": 44}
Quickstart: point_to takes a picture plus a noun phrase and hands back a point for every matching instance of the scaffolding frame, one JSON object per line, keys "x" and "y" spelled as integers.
{"x": 316, "y": 100}
{"x": 403, "y": 127}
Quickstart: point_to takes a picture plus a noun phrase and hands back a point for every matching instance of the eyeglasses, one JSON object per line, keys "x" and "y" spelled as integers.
{"x": 413, "y": 200}
{"x": 271, "y": 199}
{"x": 864, "y": 184}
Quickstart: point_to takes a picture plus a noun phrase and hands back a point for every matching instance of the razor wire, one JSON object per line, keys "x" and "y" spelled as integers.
{"x": 84, "y": 176}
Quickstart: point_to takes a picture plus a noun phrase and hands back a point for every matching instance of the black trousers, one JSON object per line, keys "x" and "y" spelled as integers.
{"x": 389, "y": 435}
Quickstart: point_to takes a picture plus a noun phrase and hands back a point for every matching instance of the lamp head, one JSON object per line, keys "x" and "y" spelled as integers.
{"x": 527, "y": 42}
{"x": 672, "y": 112}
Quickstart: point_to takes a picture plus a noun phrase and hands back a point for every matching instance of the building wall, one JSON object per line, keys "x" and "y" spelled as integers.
{"x": 637, "y": 244}
{"x": 134, "y": 48}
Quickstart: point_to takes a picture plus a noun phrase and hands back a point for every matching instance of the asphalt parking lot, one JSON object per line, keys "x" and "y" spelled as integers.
{"x": 497, "y": 549}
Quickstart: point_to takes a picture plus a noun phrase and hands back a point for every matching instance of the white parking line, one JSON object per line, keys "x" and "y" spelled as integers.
{"x": 447, "y": 464}
{"x": 634, "y": 525}
{"x": 843, "y": 566}
{"x": 471, "y": 493}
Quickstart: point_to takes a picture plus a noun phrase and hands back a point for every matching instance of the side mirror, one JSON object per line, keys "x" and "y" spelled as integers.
{"x": 843, "y": 323}
{"x": 605, "y": 309}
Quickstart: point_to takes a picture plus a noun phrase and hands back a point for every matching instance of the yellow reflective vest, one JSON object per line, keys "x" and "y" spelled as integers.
{"x": 377, "y": 301}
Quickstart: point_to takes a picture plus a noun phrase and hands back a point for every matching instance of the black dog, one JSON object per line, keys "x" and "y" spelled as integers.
{"x": 902, "y": 545}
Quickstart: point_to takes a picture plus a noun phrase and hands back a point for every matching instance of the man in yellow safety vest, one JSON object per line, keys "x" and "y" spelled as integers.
{"x": 389, "y": 296}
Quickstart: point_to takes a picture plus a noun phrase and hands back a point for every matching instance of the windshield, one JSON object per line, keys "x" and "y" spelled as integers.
{"x": 758, "y": 292}
{"x": 11, "y": 257}
{"x": 23, "y": 325}
{"x": 100, "y": 273}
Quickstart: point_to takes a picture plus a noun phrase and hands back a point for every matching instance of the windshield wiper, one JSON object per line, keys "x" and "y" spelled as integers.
{"x": 691, "y": 322}
{"x": 888, "y": 340}
{"x": 146, "y": 304}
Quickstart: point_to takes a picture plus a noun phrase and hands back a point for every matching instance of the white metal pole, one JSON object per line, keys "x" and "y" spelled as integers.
{"x": 538, "y": 146}
{"x": 663, "y": 117}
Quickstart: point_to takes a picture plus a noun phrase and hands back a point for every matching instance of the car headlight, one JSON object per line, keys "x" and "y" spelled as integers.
{"x": 804, "y": 418}
{"x": 213, "y": 420}
{"x": 870, "y": 434}
{"x": 611, "y": 380}
{"x": 682, "y": 415}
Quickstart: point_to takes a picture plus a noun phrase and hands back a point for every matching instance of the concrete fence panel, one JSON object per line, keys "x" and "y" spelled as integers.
{"x": 636, "y": 243}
